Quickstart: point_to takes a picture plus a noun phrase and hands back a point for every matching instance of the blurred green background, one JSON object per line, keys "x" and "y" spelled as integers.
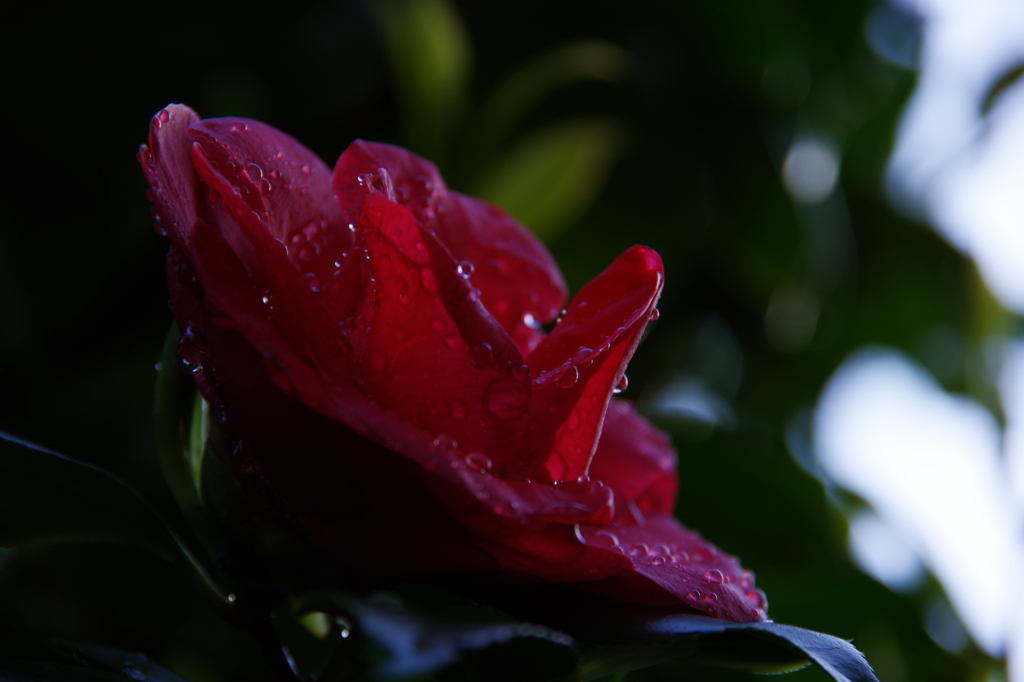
{"x": 600, "y": 125}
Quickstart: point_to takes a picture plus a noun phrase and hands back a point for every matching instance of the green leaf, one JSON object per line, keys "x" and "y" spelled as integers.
{"x": 549, "y": 178}
{"x": 764, "y": 647}
{"x": 577, "y": 61}
{"x": 180, "y": 439}
{"x": 61, "y": 662}
{"x": 417, "y": 641}
{"x": 46, "y": 497}
{"x": 430, "y": 53}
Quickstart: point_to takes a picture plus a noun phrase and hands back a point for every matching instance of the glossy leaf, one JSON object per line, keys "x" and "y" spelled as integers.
{"x": 46, "y": 497}
{"x": 549, "y": 178}
{"x": 62, "y": 662}
{"x": 414, "y": 642}
{"x": 576, "y": 61}
{"x": 430, "y": 54}
{"x": 763, "y": 647}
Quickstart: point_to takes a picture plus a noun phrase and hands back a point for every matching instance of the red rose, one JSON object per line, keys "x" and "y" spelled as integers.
{"x": 370, "y": 343}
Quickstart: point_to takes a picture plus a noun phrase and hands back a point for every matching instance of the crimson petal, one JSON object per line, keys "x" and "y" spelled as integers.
{"x": 636, "y": 460}
{"x": 576, "y": 367}
{"x": 672, "y": 565}
{"x": 436, "y": 358}
{"x": 519, "y": 282}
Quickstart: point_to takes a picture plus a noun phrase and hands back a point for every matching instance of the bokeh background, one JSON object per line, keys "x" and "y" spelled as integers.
{"x": 747, "y": 142}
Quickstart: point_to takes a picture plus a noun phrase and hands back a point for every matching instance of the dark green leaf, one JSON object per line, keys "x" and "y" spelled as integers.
{"x": 46, "y": 497}
{"x": 416, "y": 643}
{"x": 742, "y": 645}
{"x": 550, "y": 177}
{"x": 60, "y": 662}
{"x": 175, "y": 406}
{"x": 568, "y": 63}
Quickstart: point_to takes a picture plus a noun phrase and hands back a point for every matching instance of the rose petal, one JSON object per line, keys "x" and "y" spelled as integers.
{"x": 672, "y": 565}
{"x": 576, "y": 366}
{"x": 636, "y": 460}
{"x": 519, "y": 282}
{"x": 437, "y": 359}
{"x": 279, "y": 193}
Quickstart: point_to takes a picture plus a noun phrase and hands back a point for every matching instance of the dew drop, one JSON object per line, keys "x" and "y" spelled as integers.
{"x": 621, "y": 386}
{"x": 715, "y": 576}
{"x": 569, "y": 378}
{"x": 264, "y": 186}
{"x": 531, "y": 321}
{"x": 437, "y": 326}
{"x": 692, "y": 597}
{"x": 253, "y": 172}
{"x": 428, "y": 281}
{"x": 604, "y": 538}
{"x": 479, "y": 462}
{"x": 164, "y": 116}
{"x": 757, "y": 599}
{"x": 505, "y": 398}
{"x": 458, "y": 409}
{"x": 582, "y": 355}
{"x": 465, "y": 269}
{"x": 481, "y": 354}
{"x": 639, "y": 550}
{"x": 710, "y": 598}
{"x": 306, "y": 169}
{"x": 658, "y": 561}
{"x": 655, "y": 314}
{"x": 193, "y": 367}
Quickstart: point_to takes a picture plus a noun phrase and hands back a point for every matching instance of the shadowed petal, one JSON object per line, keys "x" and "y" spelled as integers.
{"x": 636, "y": 460}
{"x": 519, "y": 283}
{"x": 576, "y": 367}
{"x": 672, "y": 565}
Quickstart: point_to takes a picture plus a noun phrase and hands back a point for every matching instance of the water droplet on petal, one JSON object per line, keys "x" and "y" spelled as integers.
{"x": 655, "y": 314}
{"x": 458, "y": 409}
{"x": 639, "y": 550}
{"x": 453, "y": 341}
{"x": 253, "y": 172}
{"x": 437, "y": 325}
{"x": 478, "y": 462}
{"x": 604, "y": 538}
{"x": 715, "y": 576}
{"x": 505, "y": 398}
{"x": 757, "y": 599}
{"x": 465, "y": 269}
{"x": 621, "y": 386}
{"x": 531, "y": 321}
{"x": 692, "y": 597}
{"x": 428, "y": 281}
{"x": 569, "y": 378}
{"x": 481, "y": 354}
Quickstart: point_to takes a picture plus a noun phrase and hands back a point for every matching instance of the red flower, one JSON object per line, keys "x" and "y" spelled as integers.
{"x": 371, "y": 345}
